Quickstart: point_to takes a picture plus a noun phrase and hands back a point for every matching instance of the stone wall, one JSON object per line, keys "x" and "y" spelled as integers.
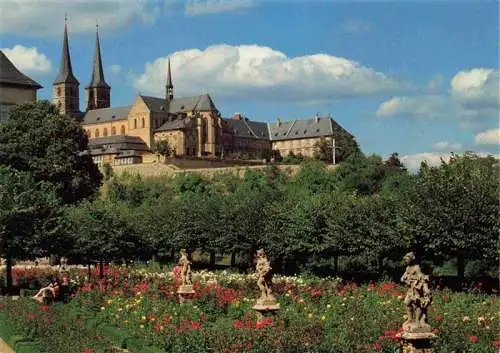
{"x": 159, "y": 169}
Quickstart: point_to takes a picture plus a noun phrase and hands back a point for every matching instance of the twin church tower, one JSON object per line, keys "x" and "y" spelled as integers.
{"x": 66, "y": 86}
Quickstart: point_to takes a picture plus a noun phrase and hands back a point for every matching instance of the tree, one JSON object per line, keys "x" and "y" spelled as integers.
{"x": 24, "y": 203}
{"x": 345, "y": 145}
{"x": 454, "y": 208}
{"x": 36, "y": 138}
{"x": 162, "y": 148}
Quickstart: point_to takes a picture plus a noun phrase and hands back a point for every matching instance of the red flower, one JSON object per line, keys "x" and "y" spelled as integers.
{"x": 88, "y": 350}
{"x": 473, "y": 339}
{"x": 44, "y": 308}
{"x": 496, "y": 343}
{"x": 237, "y": 324}
{"x": 439, "y": 318}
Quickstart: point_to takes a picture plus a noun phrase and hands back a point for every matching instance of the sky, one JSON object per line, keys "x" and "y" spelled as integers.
{"x": 419, "y": 78}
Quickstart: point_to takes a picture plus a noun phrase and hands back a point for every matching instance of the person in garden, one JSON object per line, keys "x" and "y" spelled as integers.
{"x": 418, "y": 298}
{"x": 48, "y": 294}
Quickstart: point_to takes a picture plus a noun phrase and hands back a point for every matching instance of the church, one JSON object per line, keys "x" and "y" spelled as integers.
{"x": 193, "y": 126}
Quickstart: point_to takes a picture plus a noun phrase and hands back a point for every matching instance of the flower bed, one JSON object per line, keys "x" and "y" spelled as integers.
{"x": 138, "y": 310}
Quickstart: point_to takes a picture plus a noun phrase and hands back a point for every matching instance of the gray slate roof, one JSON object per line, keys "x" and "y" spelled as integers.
{"x": 294, "y": 129}
{"x": 9, "y": 74}
{"x": 97, "y": 79}
{"x": 180, "y": 105}
{"x": 115, "y": 144}
{"x": 106, "y": 114}
{"x": 65, "y": 71}
{"x": 248, "y": 129}
{"x": 175, "y": 124}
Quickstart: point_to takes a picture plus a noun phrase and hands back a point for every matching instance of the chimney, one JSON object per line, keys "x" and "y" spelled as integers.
{"x": 278, "y": 122}
{"x": 316, "y": 118}
{"x": 237, "y": 116}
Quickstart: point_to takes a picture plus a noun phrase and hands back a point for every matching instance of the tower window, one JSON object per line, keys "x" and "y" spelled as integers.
{"x": 105, "y": 132}
{"x": 113, "y": 131}
{"x": 143, "y": 123}
{"x": 96, "y": 134}
{"x": 122, "y": 130}
{"x": 135, "y": 123}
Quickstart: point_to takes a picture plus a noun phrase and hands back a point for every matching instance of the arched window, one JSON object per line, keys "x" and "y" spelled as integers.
{"x": 143, "y": 123}
{"x": 135, "y": 123}
{"x": 122, "y": 130}
{"x": 105, "y": 132}
{"x": 113, "y": 131}
{"x": 96, "y": 133}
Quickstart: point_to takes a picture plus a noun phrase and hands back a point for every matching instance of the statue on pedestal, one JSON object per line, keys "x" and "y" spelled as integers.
{"x": 418, "y": 298}
{"x": 185, "y": 265}
{"x": 264, "y": 281}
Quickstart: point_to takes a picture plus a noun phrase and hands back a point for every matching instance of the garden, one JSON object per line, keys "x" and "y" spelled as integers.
{"x": 137, "y": 310}
{"x": 335, "y": 239}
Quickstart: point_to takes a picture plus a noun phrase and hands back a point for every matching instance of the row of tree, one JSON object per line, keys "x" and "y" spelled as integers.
{"x": 366, "y": 209}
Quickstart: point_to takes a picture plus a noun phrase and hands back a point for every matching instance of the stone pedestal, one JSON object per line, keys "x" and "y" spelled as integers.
{"x": 186, "y": 294}
{"x": 416, "y": 342}
{"x": 266, "y": 309}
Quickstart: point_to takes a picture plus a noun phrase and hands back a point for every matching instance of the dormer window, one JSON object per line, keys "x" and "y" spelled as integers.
{"x": 113, "y": 116}
{"x": 296, "y": 132}
{"x": 162, "y": 108}
{"x": 182, "y": 107}
{"x": 98, "y": 118}
{"x": 305, "y": 131}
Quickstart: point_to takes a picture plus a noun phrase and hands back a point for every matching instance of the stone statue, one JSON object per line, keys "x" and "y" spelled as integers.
{"x": 418, "y": 298}
{"x": 185, "y": 265}
{"x": 264, "y": 280}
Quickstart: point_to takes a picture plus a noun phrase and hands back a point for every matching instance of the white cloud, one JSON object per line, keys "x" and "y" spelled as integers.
{"x": 206, "y": 7}
{"x": 413, "y": 161}
{"x": 354, "y": 26}
{"x": 115, "y": 69}
{"x": 28, "y": 60}
{"x": 488, "y": 137}
{"x": 473, "y": 96}
{"x": 40, "y": 18}
{"x": 419, "y": 107}
{"x": 446, "y": 146}
{"x": 264, "y": 73}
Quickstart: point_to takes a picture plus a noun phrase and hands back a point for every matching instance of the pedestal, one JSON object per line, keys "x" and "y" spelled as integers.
{"x": 186, "y": 294}
{"x": 266, "y": 309}
{"x": 416, "y": 342}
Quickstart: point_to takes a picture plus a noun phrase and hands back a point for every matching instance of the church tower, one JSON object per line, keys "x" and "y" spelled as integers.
{"x": 65, "y": 91}
{"x": 169, "y": 86}
{"x": 98, "y": 91}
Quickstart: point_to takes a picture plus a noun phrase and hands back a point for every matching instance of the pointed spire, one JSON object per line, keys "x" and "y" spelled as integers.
{"x": 170, "y": 86}
{"x": 65, "y": 71}
{"x": 97, "y": 71}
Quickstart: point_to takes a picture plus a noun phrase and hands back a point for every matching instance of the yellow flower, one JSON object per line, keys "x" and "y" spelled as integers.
{"x": 143, "y": 318}
{"x": 142, "y": 326}
{"x": 110, "y": 301}
{"x": 466, "y": 319}
{"x": 102, "y": 308}
{"x": 310, "y": 315}
{"x": 125, "y": 321}
{"x": 323, "y": 318}
{"x": 328, "y": 306}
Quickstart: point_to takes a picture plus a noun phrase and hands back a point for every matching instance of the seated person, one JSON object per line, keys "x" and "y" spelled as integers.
{"x": 48, "y": 294}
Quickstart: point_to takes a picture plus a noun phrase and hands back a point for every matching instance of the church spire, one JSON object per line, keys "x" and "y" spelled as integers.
{"x": 97, "y": 71}
{"x": 65, "y": 71}
{"x": 170, "y": 86}
{"x": 98, "y": 91}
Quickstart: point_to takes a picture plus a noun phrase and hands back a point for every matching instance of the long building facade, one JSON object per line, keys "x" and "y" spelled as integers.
{"x": 193, "y": 126}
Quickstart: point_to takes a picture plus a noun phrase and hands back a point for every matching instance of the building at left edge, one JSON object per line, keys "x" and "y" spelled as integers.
{"x": 15, "y": 87}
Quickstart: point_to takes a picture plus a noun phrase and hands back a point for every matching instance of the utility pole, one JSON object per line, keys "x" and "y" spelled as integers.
{"x": 333, "y": 150}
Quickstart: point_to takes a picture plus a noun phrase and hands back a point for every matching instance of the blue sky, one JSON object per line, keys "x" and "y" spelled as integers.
{"x": 419, "y": 78}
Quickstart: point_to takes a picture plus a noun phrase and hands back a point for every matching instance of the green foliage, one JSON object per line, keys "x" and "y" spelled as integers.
{"x": 37, "y": 139}
{"x": 163, "y": 148}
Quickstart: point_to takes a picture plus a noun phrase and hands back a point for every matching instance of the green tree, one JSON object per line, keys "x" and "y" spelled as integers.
{"x": 345, "y": 145}
{"x": 454, "y": 208}
{"x": 162, "y": 148}
{"x": 24, "y": 204}
{"x": 51, "y": 146}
